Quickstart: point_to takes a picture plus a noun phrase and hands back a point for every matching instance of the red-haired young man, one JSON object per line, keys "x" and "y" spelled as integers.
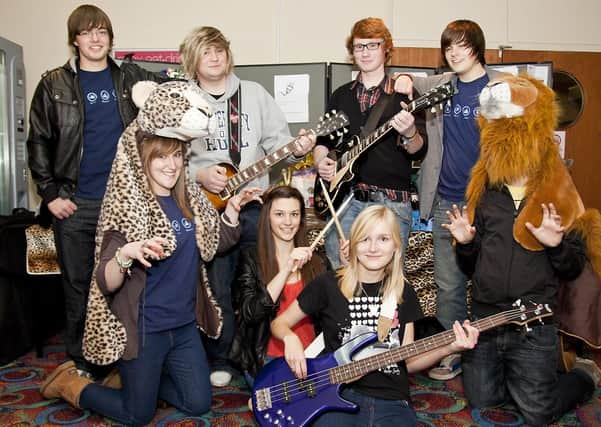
{"x": 383, "y": 172}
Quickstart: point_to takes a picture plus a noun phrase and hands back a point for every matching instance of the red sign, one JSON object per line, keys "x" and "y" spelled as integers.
{"x": 168, "y": 56}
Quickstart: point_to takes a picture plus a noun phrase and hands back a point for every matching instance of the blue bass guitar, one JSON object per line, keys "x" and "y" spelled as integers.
{"x": 281, "y": 399}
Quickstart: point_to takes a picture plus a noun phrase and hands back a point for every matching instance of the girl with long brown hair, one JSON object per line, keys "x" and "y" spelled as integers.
{"x": 270, "y": 276}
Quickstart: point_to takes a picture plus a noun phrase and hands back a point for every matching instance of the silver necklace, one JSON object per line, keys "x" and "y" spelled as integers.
{"x": 373, "y": 303}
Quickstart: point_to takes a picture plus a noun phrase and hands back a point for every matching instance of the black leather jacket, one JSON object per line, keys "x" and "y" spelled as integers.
{"x": 254, "y": 312}
{"x": 503, "y": 270}
{"x": 56, "y": 122}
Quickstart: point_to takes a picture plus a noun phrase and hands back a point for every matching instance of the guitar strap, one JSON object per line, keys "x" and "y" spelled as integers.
{"x": 233, "y": 112}
{"x": 388, "y": 305}
{"x": 375, "y": 114}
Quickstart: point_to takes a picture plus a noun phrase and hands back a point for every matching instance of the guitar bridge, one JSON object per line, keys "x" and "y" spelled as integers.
{"x": 263, "y": 399}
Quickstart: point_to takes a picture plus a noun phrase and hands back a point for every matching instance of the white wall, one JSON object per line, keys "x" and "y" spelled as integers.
{"x": 280, "y": 31}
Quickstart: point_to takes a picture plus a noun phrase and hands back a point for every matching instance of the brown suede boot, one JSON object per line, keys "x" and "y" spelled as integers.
{"x": 64, "y": 382}
{"x": 112, "y": 380}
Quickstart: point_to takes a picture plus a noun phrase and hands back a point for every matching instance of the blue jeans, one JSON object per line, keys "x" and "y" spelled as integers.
{"x": 222, "y": 273}
{"x": 509, "y": 364}
{"x": 372, "y": 412}
{"x": 171, "y": 365}
{"x": 402, "y": 210}
{"x": 451, "y": 282}
{"x": 74, "y": 238}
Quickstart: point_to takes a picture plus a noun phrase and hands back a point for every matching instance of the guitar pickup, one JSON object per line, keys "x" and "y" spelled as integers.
{"x": 308, "y": 386}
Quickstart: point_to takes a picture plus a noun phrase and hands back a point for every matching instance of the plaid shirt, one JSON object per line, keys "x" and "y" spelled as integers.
{"x": 368, "y": 97}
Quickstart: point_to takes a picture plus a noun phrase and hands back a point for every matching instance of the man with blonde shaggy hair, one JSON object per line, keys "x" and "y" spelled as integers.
{"x": 250, "y": 125}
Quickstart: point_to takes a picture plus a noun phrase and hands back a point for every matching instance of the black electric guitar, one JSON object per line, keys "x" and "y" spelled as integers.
{"x": 357, "y": 146}
{"x": 328, "y": 124}
{"x": 279, "y": 398}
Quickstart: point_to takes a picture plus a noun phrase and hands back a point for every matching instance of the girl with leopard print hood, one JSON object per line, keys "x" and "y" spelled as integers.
{"x": 149, "y": 292}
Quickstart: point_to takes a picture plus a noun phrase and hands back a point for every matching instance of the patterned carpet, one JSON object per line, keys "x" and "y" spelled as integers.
{"x": 437, "y": 403}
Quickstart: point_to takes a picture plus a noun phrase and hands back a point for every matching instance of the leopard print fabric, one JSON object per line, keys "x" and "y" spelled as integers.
{"x": 41, "y": 251}
{"x": 419, "y": 271}
{"x": 130, "y": 208}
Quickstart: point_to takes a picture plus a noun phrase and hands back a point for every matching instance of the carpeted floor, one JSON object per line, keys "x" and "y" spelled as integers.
{"x": 437, "y": 403}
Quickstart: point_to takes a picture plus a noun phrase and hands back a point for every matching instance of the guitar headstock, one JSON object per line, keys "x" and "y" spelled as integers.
{"x": 526, "y": 315}
{"x": 434, "y": 96}
{"x": 331, "y": 122}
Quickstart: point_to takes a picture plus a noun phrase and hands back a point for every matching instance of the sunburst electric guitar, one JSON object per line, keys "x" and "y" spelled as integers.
{"x": 357, "y": 146}
{"x": 279, "y": 398}
{"x": 330, "y": 123}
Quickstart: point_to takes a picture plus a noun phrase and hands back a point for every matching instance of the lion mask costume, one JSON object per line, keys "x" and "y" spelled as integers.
{"x": 517, "y": 118}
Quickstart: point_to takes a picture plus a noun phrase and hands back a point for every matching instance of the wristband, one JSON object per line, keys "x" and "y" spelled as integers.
{"x": 124, "y": 266}
{"x": 409, "y": 138}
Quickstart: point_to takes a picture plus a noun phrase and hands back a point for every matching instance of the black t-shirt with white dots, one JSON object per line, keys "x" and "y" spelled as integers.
{"x": 341, "y": 320}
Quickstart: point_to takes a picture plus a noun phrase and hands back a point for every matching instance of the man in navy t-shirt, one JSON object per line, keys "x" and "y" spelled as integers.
{"x": 454, "y": 147}
{"x": 78, "y": 113}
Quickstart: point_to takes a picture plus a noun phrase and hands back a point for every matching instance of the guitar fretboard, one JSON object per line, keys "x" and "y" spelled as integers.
{"x": 258, "y": 168}
{"x": 326, "y": 126}
{"x": 344, "y": 373}
{"x": 364, "y": 143}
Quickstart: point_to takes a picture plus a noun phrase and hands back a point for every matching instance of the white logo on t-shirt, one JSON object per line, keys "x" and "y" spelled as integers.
{"x": 105, "y": 96}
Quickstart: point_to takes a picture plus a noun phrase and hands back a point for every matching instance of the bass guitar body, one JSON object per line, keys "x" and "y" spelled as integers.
{"x": 279, "y": 395}
{"x": 219, "y": 200}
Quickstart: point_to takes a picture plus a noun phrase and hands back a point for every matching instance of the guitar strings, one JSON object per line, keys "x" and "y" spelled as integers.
{"x": 294, "y": 387}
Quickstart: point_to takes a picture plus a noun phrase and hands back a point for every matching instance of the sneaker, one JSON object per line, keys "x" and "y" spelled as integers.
{"x": 220, "y": 378}
{"x": 449, "y": 367}
{"x": 590, "y": 368}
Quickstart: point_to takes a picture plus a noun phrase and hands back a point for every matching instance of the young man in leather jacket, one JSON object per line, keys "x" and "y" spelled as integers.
{"x": 77, "y": 115}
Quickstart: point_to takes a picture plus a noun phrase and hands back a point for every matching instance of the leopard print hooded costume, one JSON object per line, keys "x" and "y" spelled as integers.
{"x": 176, "y": 110}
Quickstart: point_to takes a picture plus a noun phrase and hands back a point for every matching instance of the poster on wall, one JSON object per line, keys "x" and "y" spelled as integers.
{"x": 292, "y": 95}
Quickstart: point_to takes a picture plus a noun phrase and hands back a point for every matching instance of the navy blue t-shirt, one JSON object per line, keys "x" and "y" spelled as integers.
{"x": 101, "y": 132}
{"x": 461, "y": 139}
{"x": 170, "y": 293}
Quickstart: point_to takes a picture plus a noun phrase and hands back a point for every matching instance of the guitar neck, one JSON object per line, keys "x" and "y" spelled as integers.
{"x": 345, "y": 373}
{"x": 259, "y": 167}
{"x": 367, "y": 141}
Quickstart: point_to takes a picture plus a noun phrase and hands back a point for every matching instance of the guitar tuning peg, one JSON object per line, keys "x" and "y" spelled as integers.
{"x": 433, "y": 109}
{"x": 528, "y": 329}
{"x": 327, "y": 115}
{"x": 345, "y": 130}
{"x": 321, "y": 118}
{"x": 331, "y": 137}
{"x": 338, "y": 133}
{"x": 333, "y": 111}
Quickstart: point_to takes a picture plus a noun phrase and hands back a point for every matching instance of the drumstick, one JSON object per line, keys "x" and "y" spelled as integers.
{"x": 326, "y": 196}
{"x": 331, "y": 221}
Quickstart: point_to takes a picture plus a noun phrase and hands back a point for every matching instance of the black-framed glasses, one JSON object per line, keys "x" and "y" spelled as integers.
{"x": 98, "y": 32}
{"x": 359, "y": 47}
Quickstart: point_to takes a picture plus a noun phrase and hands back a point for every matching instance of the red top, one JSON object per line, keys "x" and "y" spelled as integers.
{"x": 304, "y": 328}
